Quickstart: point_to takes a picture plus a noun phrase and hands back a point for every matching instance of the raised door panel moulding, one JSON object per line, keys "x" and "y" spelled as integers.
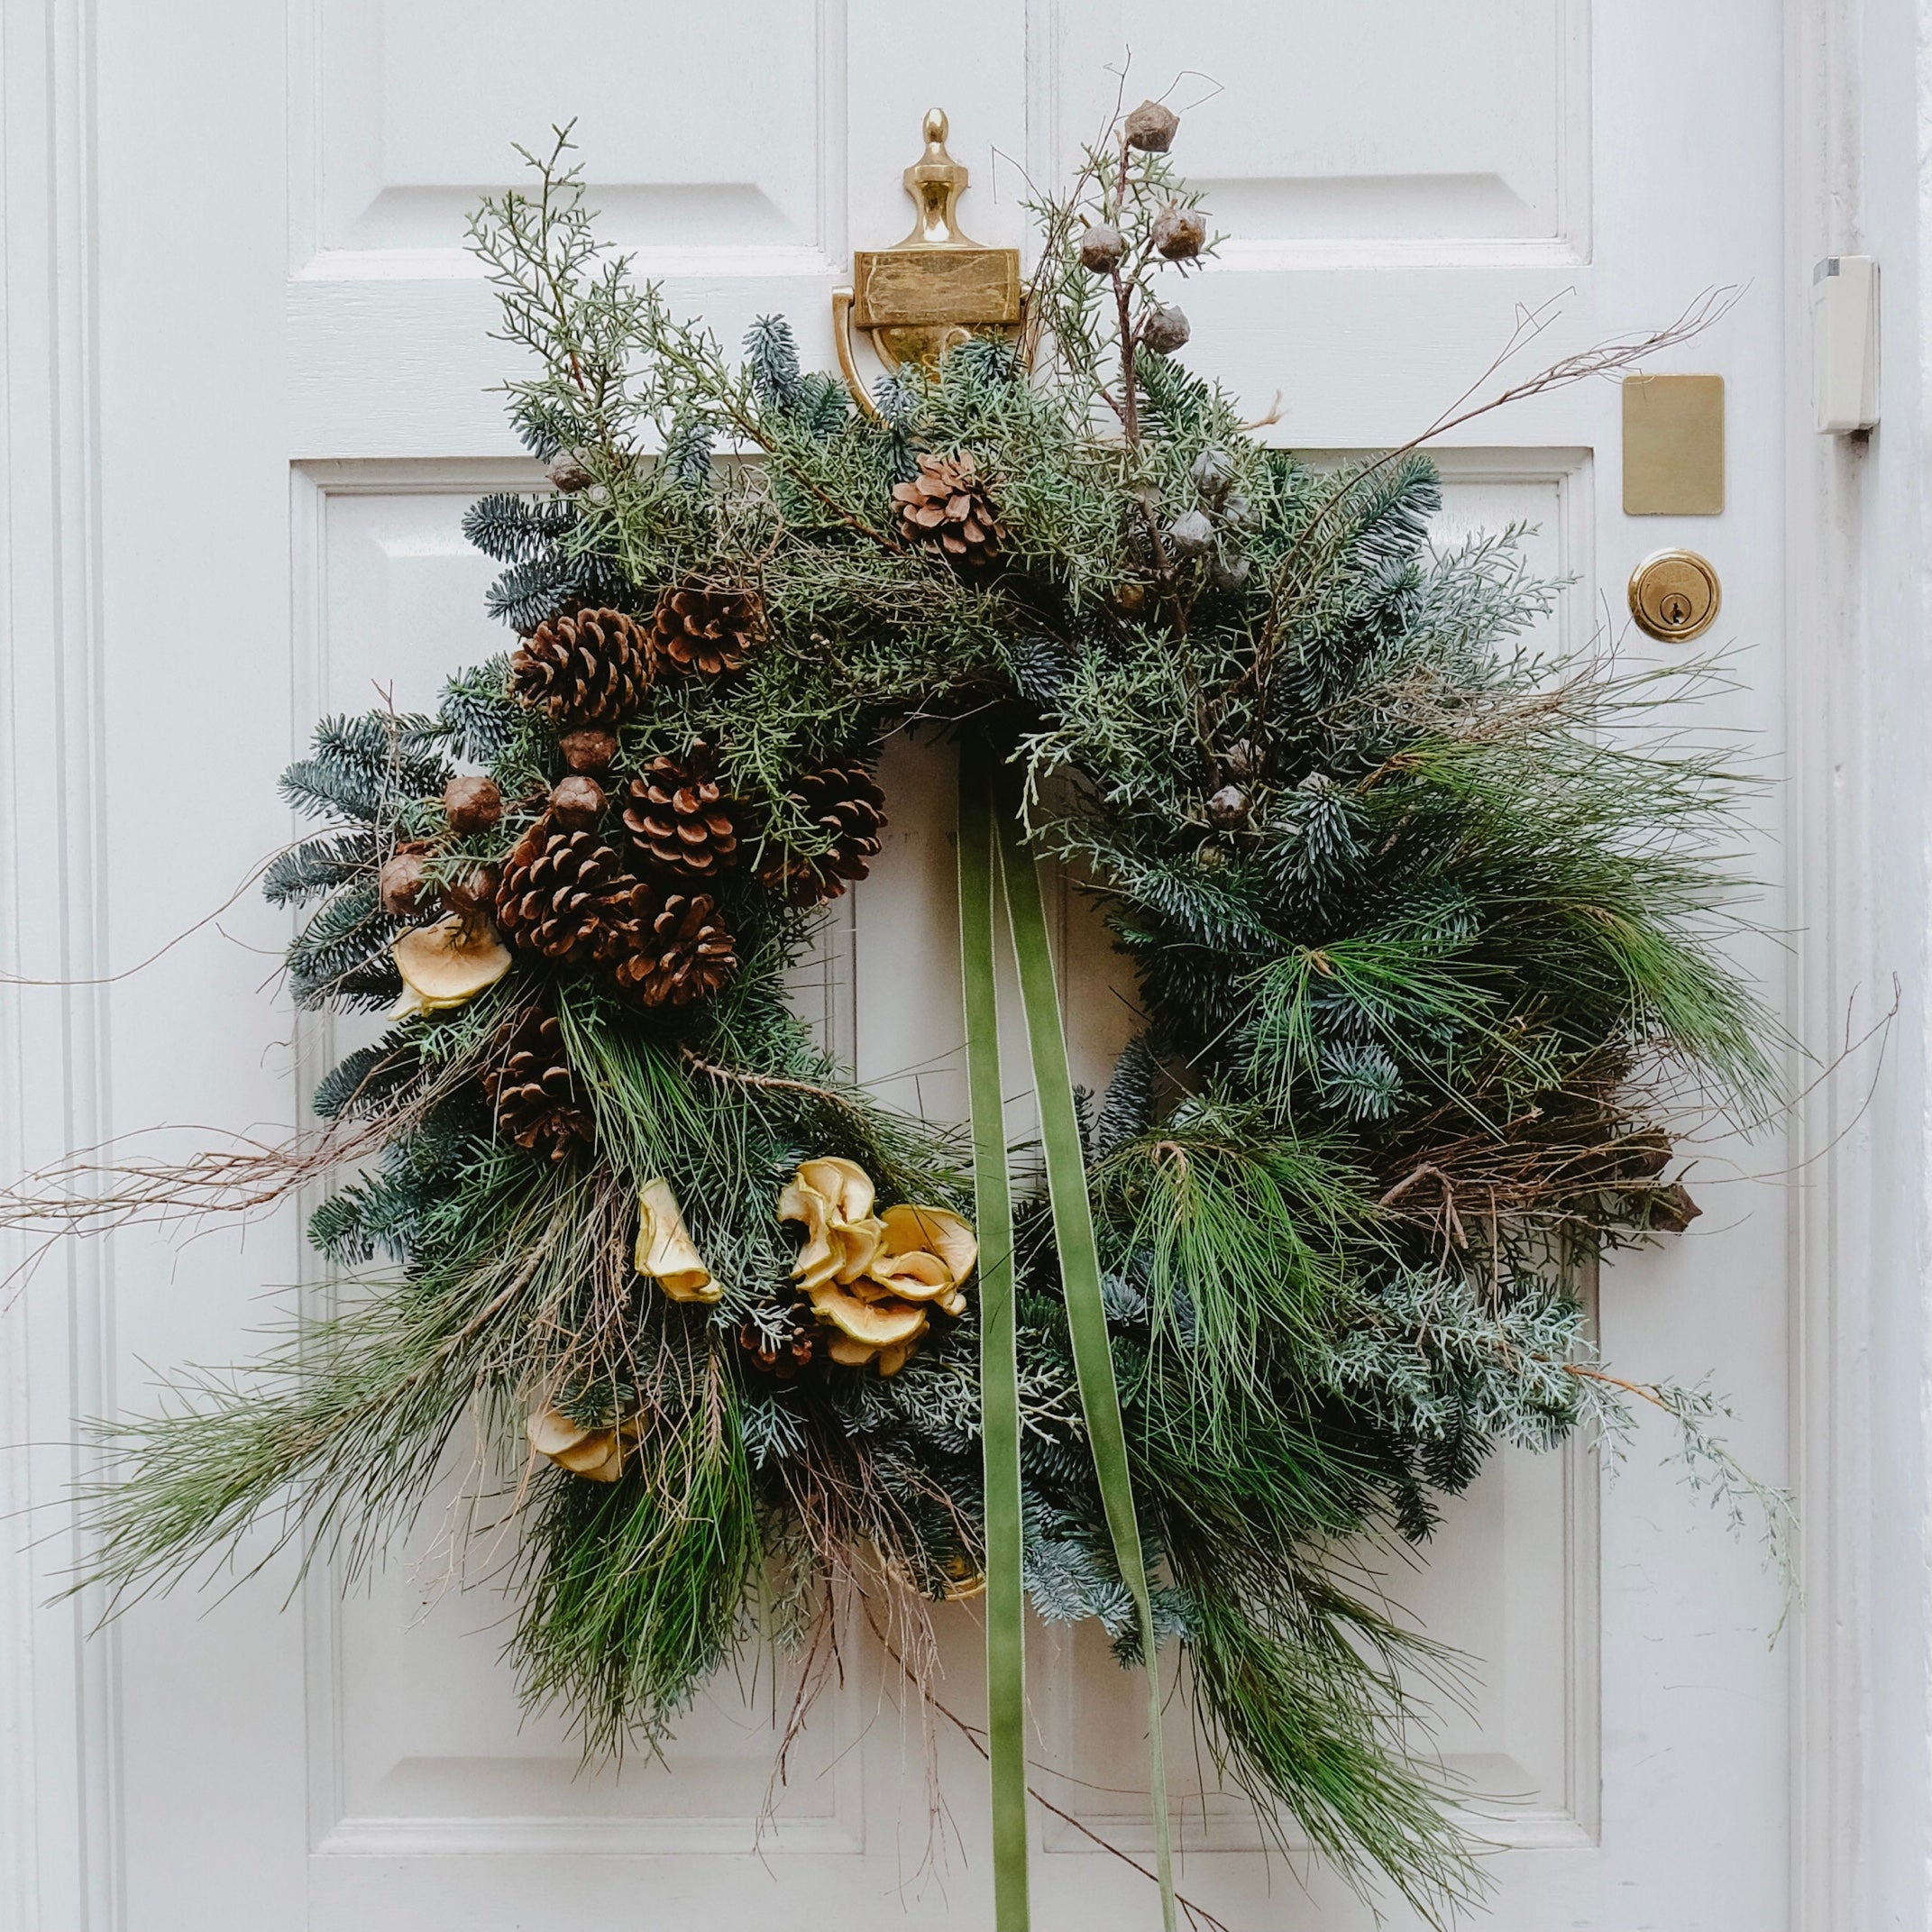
{"x": 1382, "y": 134}
{"x": 415, "y": 1745}
{"x": 1511, "y": 1585}
{"x": 718, "y": 144}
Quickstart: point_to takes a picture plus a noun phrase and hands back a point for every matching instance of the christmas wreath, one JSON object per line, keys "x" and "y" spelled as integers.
{"x": 1424, "y": 931}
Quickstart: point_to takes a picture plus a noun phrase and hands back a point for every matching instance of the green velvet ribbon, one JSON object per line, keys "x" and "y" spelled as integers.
{"x": 992, "y": 840}
{"x": 999, "y": 1351}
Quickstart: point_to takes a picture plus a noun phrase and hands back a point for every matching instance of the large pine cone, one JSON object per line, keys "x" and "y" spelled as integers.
{"x": 707, "y": 628}
{"x": 593, "y": 668}
{"x": 683, "y": 953}
{"x": 946, "y": 508}
{"x": 567, "y": 895}
{"x": 531, "y": 1090}
{"x": 845, "y": 805}
{"x": 679, "y": 819}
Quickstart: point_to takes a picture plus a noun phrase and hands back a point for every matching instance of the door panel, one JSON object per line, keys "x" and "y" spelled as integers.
{"x": 294, "y": 410}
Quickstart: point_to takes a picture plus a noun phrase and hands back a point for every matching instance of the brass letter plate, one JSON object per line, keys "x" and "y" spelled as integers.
{"x": 1674, "y": 446}
{"x": 967, "y": 288}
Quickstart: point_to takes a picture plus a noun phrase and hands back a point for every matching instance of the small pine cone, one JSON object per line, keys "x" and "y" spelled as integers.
{"x": 948, "y": 510}
{"x": 684, "y": 954}
{"x": 707, "y": 628}
{"x": 592, "y": 667}
{"x": 558, "y": 893}
{"x": 679, "y": 819}
{"x": 844, "y": 804}
{"x": 532, "y": 1093}
{"x": 784, "y": 1358}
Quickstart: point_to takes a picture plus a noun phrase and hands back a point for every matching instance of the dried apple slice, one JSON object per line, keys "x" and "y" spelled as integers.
{"x": 665, "y": 1250}
{"x": 885, "y": 1324}
{"x": 924, "y": 1252}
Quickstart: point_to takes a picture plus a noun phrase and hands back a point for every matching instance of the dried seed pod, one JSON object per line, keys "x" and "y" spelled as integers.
{"x": 1230, "y": 574}
{"x": 1229, "y": 809}
{"x": 1242, "y": 760}
{"x": 1641, "y": 1156}
{"x": 1129, "y": 598}
{"x": 1101, "y": 247}
{"x": 472, "y": 804}
{"x": 578, "y": 803}
{"x": 569, "y": 476}
{"x": 1164, "y": 329}
{"x": 474, "y": 893}
{"x": 1190, "y": 533}
{"x": 1212, "y": 474}
{"x": 401, "y": 882}
{"x": 1180, "y": 234}
{"x": 1670, "y": 1210}
{"x": 588, "y": 748}
{"x": 1150, "y": 127}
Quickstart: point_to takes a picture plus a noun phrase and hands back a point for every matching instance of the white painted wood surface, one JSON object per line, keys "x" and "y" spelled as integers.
{"x": 247, "y": 374}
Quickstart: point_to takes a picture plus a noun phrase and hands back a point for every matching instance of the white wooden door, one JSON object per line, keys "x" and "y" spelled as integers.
{"x": 266, "y": 356}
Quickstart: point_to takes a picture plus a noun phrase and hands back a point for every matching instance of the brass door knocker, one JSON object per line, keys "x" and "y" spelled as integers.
{"x": 930, "y": 292}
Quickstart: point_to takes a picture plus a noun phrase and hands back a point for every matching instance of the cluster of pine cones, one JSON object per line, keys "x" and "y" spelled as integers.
{"x": 624, "y": 881}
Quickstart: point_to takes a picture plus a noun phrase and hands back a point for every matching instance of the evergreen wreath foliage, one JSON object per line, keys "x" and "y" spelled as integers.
{"x": 1426, "y": 936}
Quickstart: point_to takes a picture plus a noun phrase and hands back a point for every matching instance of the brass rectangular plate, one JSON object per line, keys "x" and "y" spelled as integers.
{"x": 975, "y": 288}
{"x": 1674, "y": 446}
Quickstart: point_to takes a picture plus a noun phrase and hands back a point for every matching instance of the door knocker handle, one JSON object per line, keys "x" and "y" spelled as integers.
{"x": 933, "y": 291}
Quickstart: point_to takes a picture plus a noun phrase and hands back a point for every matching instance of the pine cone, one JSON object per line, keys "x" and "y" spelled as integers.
{"x": 679, "y": 819}
{"x": 681, "y": 953}
{"x": 846, "y": 806}
{"x": 706, "y": 628}
{"x": 533, "y": 1096}
{"x": 782, "y": 1359}
{"x": 593, "y": 668}
{"x": 946, "y": 510}
{"x": 567, "y": 895}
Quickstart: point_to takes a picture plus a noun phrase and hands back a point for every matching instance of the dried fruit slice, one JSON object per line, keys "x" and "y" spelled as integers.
{"x": 665, "y": 1250}
{"x": 887, "y": 1324}
{"x": 447, "y": 964}
{"x": 925, "y": 1253}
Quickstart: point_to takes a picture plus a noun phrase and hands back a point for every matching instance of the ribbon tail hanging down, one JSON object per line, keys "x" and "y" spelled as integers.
{"x": 1080, "y": 1277}
{"x": 999, "y": 1360}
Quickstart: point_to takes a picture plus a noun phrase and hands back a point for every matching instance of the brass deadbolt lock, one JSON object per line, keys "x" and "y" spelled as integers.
{"x": 1674, "y": 595}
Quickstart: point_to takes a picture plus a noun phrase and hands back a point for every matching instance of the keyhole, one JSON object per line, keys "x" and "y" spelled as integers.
{"x": 1676, "y": 609}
